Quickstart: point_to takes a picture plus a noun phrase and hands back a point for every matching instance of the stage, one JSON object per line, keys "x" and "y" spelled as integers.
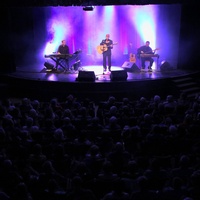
{"x": 35, "y": 81}
{"x": 39, "y": 72}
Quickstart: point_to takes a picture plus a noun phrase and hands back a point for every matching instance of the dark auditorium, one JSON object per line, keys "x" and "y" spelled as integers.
{"x": 99, "y": 100}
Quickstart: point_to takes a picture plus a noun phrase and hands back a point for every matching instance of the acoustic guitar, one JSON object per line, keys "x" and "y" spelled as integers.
{"x": 104, "y": 47}
{"x": 132, "y": 58}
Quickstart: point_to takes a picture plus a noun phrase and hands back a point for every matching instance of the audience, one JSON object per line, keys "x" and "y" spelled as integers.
{"x": 112, "y": 149}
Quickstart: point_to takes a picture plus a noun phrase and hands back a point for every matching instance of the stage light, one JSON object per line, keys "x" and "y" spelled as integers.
{"x": 88, "y": 8}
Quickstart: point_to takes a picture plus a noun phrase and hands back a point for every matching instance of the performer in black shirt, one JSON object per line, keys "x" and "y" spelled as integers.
{"x": 146, "y": 49}
{"x": 108, "y": 45}
{"x": 63, "y": 49}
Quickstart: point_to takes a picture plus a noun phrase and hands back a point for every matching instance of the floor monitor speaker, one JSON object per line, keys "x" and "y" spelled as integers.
{"x": 48, "y": 66}
{"x": 120, "y": 75}
{"x": 130, "y": 67}
{"x": 86, "y": 76}
{"x": 165, "y": 66}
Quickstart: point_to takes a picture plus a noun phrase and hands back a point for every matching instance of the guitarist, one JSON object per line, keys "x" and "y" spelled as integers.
{"x": 108, "y": 43}
{"x": 146, "y": 49}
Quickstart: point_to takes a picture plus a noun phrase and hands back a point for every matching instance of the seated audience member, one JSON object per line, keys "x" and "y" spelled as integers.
{"x": 71, "y": 103}
{"x": 105, "y": 179}
{"x": 82, "y": 145}
{"x": 94, "y": 128}
{"x": 113, "y": 124}
{"x": 184, "y": 170}
{"x": 69, "y": 129}
{"x": 37, "y": 158}
{"x": 21, "y": 192}
{"x": 175, "y": 190}
{"x": 129, "y": 176}
{"x": 157, "y": 177}
{"x": 117, "y": 192}
{"x": 193, "y": 188}
{"x": 110, "y": 102}
{"x": 144, "y": 192}
{"x": 82, "y": 119}
{"x": 170, "y": 105}
{"x": 78, "y": 191}
{"x": 93, "y": 159}
{"x": 119, "y": 158}
{"x": 146, "y": 124}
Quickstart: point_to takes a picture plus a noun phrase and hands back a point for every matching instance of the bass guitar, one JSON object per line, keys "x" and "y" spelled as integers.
{"x": 104, "y": 47}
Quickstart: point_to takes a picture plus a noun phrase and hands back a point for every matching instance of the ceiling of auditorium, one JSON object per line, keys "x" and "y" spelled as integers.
{"x": 89, "y": 2}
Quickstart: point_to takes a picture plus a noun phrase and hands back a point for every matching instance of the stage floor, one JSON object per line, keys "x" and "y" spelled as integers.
{"x": 35, "y": 81}
{"x": 39, "y": 73}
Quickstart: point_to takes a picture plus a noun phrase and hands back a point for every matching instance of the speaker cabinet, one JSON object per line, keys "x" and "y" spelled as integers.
{"x": 49, "y": 66}
{"x": 165, "y": 66}
{"x": 86, "y": 76}
{"x": 130, "y": 67}
{"x": 120, "y": 75}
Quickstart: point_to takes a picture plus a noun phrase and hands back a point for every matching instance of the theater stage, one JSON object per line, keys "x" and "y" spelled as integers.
{"x": 38, "y": 72}
{"x": 36, "y": 81}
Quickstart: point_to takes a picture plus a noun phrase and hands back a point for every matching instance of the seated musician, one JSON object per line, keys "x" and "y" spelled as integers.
{"x": 146, "y": 49}
{"x": 63, "y": 49}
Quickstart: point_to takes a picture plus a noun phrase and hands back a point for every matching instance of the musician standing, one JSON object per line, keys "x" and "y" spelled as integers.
{"x": 108, "y": 44}
{"x": 146, "y": 49}
{"x": 63, "y": 49}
